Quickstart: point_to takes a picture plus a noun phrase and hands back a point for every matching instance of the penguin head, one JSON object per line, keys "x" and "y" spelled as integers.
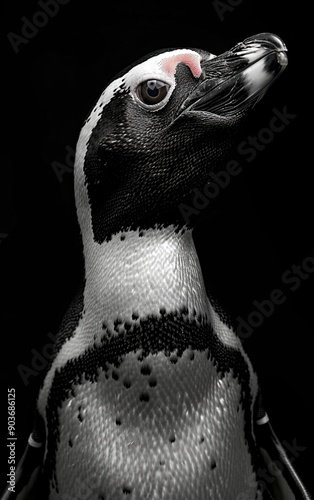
{"x": 161, "y": 127}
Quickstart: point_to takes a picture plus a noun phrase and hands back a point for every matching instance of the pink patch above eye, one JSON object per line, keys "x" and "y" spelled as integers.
{"x": 191, "y": 59}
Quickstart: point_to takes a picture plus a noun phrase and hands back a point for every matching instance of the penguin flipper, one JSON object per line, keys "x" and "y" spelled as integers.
{"x": 26, "y": 477}
{"x": 282, "y": 480}
{"x": 28, "y": 469}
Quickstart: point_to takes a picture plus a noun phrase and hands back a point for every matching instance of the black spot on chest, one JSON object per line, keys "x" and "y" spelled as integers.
{"x": 171, "y": 334}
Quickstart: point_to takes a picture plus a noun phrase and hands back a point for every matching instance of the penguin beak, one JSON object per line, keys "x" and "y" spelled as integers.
{"x": 238, "y": 79}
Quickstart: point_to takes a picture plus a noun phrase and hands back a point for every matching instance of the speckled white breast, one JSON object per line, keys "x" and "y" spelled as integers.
{"x": 158, "y": 426}
{"x": 153, "y": 429}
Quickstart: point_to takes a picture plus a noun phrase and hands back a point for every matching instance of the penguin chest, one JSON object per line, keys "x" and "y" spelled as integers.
{"x": 150, "y": 424}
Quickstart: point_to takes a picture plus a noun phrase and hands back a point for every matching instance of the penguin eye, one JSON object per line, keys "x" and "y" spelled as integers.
{"x": 152, "y": 91}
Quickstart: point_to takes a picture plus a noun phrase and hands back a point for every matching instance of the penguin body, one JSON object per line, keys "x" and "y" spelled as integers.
{"x": 150, "y": 394}
{"x": 172, "y": 410}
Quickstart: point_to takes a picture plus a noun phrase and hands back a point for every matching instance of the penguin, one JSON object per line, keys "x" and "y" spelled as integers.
{"x": 150, "y": 393}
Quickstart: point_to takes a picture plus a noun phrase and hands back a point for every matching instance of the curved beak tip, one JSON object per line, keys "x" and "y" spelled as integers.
{"x": 240, "y": 76}
{"x": 267, "y": 39}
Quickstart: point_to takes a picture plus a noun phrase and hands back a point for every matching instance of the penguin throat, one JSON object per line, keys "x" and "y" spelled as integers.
{"x": 142, "y": 273}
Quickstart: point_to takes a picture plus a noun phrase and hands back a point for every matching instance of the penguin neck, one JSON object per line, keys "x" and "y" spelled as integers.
{"x": 142, "y": 273}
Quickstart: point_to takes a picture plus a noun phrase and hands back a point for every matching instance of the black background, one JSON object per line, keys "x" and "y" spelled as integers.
{"x": 258, "y": 228}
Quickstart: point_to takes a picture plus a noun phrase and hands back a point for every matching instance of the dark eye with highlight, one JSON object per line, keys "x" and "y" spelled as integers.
{"x": 152, "y": 91}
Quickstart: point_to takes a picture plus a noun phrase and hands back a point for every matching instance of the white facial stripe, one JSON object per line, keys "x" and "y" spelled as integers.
{"x": 163, "y": 67}
{"x": 160, "y": 67}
